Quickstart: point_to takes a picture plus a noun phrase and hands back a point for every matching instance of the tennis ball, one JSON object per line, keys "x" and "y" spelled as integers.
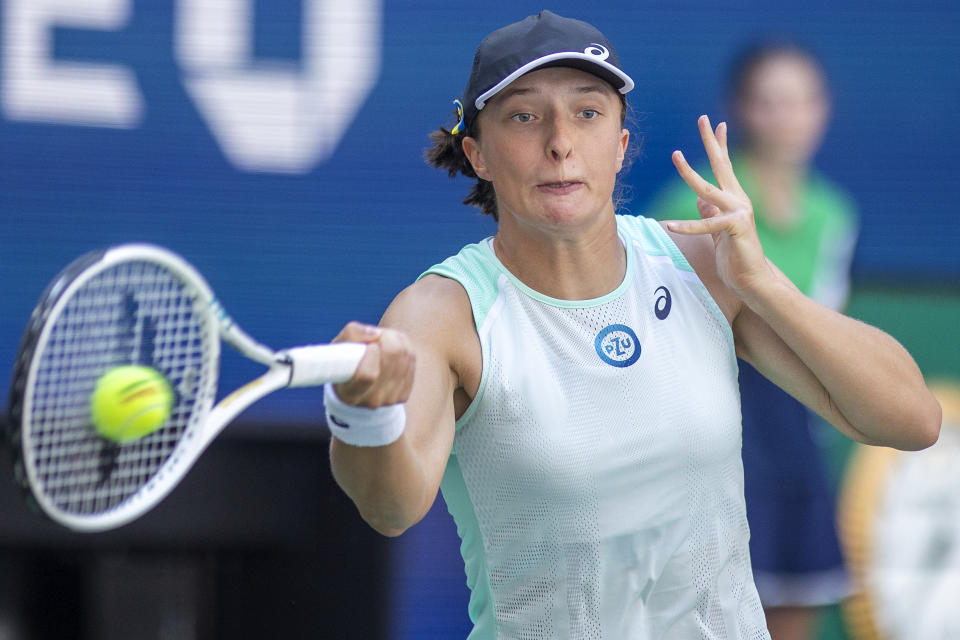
{"x": 129, "y": 402}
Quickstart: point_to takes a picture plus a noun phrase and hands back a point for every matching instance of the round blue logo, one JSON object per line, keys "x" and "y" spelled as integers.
{"x": 617, "y": 345}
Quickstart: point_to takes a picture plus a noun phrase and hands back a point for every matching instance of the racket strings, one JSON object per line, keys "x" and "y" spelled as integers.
{"x": 131, "y": 313}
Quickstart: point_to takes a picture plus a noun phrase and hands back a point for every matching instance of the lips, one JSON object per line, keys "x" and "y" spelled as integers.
{"x": 565, "y": 186}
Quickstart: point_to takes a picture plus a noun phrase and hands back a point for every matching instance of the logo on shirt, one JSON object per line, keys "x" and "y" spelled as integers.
{"x": 617, "y": 345}
{"x": 661, "y": 307}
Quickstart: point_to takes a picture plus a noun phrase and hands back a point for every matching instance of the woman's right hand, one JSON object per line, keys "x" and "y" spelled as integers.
{"x": 385, "y": 374}
{"x": 421, "y": 364}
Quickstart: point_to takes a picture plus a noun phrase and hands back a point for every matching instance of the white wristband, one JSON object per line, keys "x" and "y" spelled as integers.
{"x": 360, "y": 426}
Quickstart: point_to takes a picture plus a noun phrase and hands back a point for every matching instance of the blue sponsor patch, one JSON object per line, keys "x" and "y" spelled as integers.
{"x": 617, "y": 345}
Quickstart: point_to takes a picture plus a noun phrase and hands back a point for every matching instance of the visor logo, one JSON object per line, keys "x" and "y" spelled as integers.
{"x": 597, "y": 50}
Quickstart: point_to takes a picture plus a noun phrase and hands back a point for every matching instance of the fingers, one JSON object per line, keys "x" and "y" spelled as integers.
{"x": 358, "y": 332}
{"x": 715, "y": 144}
{"x": 706, "y": 209}
{"x": 722, "y": 138}
{"x": 728, "y": 196}
{"x": 701, "y": 187}
{"x": 385, "y": 374}
{"x": 702, "y": 226}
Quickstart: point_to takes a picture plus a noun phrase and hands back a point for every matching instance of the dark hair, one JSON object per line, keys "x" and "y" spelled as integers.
{"x": 752, "y": 56}
{"x": 447, "y": 153}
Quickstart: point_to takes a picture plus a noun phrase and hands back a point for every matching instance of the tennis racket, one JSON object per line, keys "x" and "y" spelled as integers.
{"x": 134, "y": 304}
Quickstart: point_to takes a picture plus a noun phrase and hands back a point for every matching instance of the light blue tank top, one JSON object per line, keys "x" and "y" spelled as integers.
{"x": 596, "y": 480}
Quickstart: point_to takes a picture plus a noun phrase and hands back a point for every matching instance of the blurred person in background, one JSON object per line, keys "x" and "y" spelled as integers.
{"x": 807, "y": 227}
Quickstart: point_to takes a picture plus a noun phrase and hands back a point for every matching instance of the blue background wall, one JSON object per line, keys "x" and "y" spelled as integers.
{"x": 294, "y": 254}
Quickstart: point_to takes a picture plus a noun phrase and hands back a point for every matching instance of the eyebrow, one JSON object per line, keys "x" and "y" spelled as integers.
{"x": 510, "y": 92}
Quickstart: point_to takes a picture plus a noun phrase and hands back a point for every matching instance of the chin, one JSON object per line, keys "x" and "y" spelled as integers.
{"x": 571, "y": 217}
{"x": 788, "y": 155}
{"x": 564, "y": 213}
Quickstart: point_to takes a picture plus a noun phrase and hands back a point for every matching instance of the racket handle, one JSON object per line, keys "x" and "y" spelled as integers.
{"x": 315, "y": 365}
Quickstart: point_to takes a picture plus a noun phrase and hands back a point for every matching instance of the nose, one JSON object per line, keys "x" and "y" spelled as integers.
{"x": 559, "y": 145}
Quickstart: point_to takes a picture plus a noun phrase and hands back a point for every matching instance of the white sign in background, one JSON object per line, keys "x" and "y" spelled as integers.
{"x": 266, "y": 116}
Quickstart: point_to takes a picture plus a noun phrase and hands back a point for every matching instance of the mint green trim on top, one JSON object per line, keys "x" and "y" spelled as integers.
{"x": 478, "y": 270}
{"x": 475, "y": 272}
{"x": 657, "y": 242}
{"x": 473, "y": 269}
{"x": 480, "y": 608}
{"x": 654, "y": 239}
{"x": 558, "y": 302}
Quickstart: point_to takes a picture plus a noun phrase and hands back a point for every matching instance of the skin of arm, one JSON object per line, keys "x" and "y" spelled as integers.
{"x": 857, "y": 377}
{"x": 426, "y": 354}
{"x": 425, "y": 337}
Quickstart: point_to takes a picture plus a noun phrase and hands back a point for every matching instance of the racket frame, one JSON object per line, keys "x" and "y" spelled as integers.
{"x": 309, "y": 365}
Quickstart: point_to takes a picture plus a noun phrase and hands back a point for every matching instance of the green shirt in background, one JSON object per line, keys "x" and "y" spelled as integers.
{"x": 815, "y": 252}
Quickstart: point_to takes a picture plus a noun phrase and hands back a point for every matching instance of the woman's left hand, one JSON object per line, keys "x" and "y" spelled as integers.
{"x": 725, "y": 213}
{"x": 854, "y": 375}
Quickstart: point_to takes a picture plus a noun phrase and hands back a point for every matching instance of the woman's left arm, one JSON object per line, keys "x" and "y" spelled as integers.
{"x": 854, "y": 375}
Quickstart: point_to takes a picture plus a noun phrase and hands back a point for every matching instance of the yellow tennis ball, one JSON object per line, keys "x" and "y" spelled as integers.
{"x": 129, "y": 402}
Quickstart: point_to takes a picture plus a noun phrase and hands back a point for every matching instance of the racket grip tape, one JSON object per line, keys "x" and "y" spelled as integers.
{"x": 315, "y": 365}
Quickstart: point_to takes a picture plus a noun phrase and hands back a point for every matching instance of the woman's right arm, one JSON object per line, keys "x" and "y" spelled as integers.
{"x": 412, "y": 357}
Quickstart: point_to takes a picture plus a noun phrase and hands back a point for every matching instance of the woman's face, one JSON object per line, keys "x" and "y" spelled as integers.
{"x": 783, "y": 109}
{"x": 551, "y": 143}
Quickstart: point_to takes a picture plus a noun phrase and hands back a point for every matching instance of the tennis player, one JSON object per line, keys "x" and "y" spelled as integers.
{"x": 571, "y": 383}
{"x": 807, "y": 226}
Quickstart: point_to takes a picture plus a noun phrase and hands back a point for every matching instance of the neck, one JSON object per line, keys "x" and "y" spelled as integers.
{"x": 778, "y": 185}
{"x": 583, "y": 266}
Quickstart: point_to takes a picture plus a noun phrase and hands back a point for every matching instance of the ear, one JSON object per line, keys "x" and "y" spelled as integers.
{"x": 622, "y": 147}
{"x": 471, "y": 148}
